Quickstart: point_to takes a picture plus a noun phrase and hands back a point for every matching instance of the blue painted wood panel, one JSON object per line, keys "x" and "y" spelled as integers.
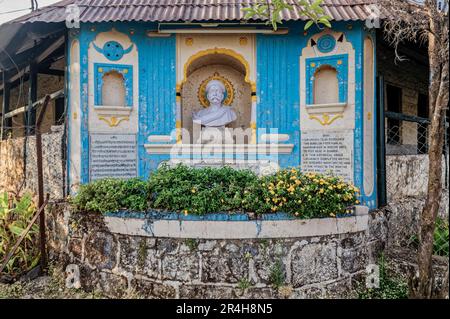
{"x": 278, "y": 66}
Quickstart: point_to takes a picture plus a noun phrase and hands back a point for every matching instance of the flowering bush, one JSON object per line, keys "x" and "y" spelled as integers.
{"x": 205, "y": 190}
{"x": 306, "y": 195}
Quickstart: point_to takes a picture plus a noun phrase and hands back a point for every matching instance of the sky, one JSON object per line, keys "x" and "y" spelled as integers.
{"x": 19, "y": 8}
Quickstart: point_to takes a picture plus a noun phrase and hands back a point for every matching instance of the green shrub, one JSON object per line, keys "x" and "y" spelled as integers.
{"x": 306, "y": 195}
{"x": 109, "y": 195}
{"x": 205, "y": 190}
{"x": 15, "y": 215}
{"x": 276, "y": 274}
{"x": 202, "y": 190}
{"x": 441, "y": 237}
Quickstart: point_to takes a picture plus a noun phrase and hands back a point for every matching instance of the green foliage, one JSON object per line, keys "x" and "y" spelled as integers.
{"x": 313, "y": 11}
{"x": 191, "y": 243}
{"x": 109, "y": 195}
{"x": 306, "y": 195}
{"x": 15, "y": 215}
{"x": 201, "y": 191}
{"x": 441, "y": 238}
{"x": 391, "y": 287}
{"x": 276, "y": 275}
{"x": 440, "y": 241}
{"x": 244, "y": 283}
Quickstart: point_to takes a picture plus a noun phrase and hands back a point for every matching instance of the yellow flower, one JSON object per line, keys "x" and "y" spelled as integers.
{"x": 185, "y": 212}
{"x": 193, "y": 191}
{"x": 330, "y": 187}
{"x": 357, "y": 201}
{"x": 321, "y": 191}
{"x": 332, "y": 214}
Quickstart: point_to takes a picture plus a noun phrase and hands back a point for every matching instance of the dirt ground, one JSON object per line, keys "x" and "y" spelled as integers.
{"x": 51, "y": 286}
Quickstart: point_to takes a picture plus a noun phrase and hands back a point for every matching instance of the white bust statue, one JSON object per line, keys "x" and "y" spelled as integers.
{"x": 216, "y": 114}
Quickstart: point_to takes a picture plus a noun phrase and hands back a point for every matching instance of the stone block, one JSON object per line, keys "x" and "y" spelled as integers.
{"x": 353, "y": 260}
{"x": 137, "y": 255}
{"x": 153, "y": 290}
{"x": 313, "y": 263}
{"x": 225, "y": 268}
{"x": 180, "y": 267}
{"x": 206, "y": 292}
{"x": 113, "y": 285}
{"x": 75, "y": 249}
{"x": 101, "y": 250}
{"x": 341, "y": 289}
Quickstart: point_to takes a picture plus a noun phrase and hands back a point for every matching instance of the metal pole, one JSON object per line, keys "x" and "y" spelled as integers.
{"x": 381, "y": 147}
{"x": 5, "y": 106}
{"x": 40, "y": 176}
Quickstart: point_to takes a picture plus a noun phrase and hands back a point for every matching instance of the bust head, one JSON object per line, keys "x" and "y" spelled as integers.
{"x": 215, "y": 92}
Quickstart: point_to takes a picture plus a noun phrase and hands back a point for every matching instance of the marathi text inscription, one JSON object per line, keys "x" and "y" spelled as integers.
{"x": 112, "y": 156}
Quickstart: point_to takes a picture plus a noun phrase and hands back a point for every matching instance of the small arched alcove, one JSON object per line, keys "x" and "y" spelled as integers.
{"x": 225, "y": 68}
{"x": 326, "y": 85}
{"x": 113, "y": 89}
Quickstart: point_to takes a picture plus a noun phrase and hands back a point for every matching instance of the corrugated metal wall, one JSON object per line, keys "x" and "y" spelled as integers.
{"x": 157, "y": 79}
{"x": 278, "y": 87}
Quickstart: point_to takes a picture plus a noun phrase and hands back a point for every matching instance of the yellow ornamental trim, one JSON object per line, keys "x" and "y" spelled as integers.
{"x": 326, "y": 120}
{"x": 113, "y": 121}
{"x": 224, "y": 51}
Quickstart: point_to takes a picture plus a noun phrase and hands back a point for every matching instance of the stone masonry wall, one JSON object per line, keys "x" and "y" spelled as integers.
{"x": 310, "y": 267}
{"x": 15, "y": 179}
{"x": 407, "y": 176}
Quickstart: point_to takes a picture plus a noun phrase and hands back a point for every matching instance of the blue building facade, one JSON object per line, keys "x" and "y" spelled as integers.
{"x": 308, "y": 96}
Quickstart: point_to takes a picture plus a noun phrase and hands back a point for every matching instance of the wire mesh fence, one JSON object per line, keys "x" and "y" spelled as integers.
{"x": 406, "y": 145}
{"x": 18, "y": 163}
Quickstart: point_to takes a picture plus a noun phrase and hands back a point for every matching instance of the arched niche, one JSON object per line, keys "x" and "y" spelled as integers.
{"x": 113, "y": 89}
{"x": 226, "y": 67}
{"x": 326, "y": 85}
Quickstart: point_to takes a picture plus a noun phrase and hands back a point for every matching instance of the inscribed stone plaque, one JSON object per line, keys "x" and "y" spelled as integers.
{"x": 112, "y": 155}
{"x": 325, "y": 151}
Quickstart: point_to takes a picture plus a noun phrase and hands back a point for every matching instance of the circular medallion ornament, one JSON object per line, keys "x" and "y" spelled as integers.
{"x": 229, "y": 94}
{"x": 113, "y": 50}
{"x": 326, "y": 43}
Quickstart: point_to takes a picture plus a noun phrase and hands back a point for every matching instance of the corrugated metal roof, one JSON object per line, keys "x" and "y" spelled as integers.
{"x": 185, "y": 10}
